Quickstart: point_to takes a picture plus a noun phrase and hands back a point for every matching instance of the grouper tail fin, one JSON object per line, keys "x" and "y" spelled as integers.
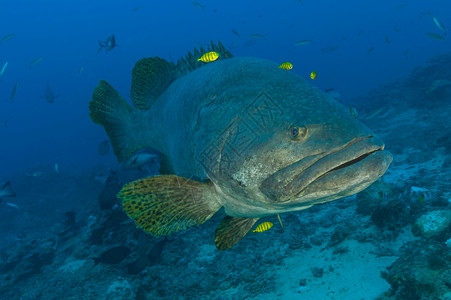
{"x": 110, "y": 110}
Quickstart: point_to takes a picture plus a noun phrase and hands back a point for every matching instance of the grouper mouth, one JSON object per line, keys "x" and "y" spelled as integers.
{"x": 339, "y": 172}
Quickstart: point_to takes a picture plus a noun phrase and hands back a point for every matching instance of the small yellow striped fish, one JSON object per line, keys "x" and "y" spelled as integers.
{"x": 313, "y": 75}
{"x": 209, "y": 56}
{"x": 263, "y": 227}
{"x": 286, "y": 66}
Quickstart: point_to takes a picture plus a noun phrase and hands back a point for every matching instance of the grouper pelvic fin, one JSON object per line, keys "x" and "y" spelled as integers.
{"x": 150, "y": 78}
{"x": 164, "y": 204}
{"x": 110, "y": 110}
{"x": 231, "y": 231}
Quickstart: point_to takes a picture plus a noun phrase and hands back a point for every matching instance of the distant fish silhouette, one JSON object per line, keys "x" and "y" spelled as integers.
{"x": 139, "y": 160}
{"x": 440, "y": 25}
{"x": 235, "y": 33}
{"x": 12, "y": 205}
{"x": 108, "y": 45}
{"x": 257, "y": 36}
{"x": 49, "y": 95}
{"x": 103, "y": 148}
{"x": 152, "y": 258}
{"x": 401, "y": 6}
{"x": 6, "y": 190}
{"x": 7, "y": 38}
{"x": 197, "y": 4}
{"x": 107, "y": 198}
{"x": 13, "y": 92}
{"x": 329, "y": 49}
{"x": 5, "y": 65}
{"x": 435, "y": 36}
{"x": 35, "y": 62}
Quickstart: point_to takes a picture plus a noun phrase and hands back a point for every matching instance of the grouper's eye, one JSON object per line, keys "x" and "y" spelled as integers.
{"x": 298, "y": 132}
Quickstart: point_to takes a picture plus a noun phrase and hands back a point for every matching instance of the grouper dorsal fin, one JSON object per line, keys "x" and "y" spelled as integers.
{"x": 190, "y": 61}
{"x": 231, "y": 231}
{"x": 150, "y": 78}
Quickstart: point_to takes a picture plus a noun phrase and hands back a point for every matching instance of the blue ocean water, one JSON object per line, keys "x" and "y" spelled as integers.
{"x": 66, "y": 36}
{"x": 50, "y": 151}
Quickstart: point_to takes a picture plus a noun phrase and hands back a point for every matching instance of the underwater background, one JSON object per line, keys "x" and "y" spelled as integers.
{"x": 64, "y": 234}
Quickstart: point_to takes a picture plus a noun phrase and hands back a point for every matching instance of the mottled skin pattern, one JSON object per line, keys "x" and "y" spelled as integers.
{"x": 230, "y": 121}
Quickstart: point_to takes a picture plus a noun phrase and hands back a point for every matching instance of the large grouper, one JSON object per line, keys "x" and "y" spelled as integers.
{"x": 238, "y": 133}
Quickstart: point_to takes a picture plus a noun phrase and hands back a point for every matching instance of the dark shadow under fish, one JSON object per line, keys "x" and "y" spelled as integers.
{"x": 70, "y": 225}
{"x": 113, "y": 256}
{"x": 108, "y": 45}
{"x": 154, "y": 254}
{"x": 49, "y": 96}
{"x": 138, "y": 265}
{"x": 150, "y": 259}
{"x": 107, "y": 198}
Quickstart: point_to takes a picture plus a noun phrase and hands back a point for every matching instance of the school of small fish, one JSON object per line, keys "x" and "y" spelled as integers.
{"x": 110, "y": 43}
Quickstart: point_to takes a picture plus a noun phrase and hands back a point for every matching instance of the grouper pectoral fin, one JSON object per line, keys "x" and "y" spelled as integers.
{"x": 164, "y": 204}
{"x": 231, "y": 231}
{"x": 151, "y": 76}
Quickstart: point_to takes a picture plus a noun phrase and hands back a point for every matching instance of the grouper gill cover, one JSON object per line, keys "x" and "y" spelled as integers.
{"x": 237, "y": 133}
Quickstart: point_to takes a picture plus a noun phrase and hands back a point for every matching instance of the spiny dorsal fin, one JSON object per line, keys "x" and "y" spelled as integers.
{"x": 197, "y": 53}
{"x": 190, "y": 61}
{"x": 150, "y": 78}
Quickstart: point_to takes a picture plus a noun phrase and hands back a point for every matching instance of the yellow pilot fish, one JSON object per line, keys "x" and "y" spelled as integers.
{"x": 209, "y": 56}
{"x": 313, "y": 75}
{"x": 286, "y": 66}
{"x": 263, "y": 227}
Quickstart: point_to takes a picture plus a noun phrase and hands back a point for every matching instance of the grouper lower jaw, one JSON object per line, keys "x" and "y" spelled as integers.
{"x": 341, "y": 172}
{"x": 347, "y": 181}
